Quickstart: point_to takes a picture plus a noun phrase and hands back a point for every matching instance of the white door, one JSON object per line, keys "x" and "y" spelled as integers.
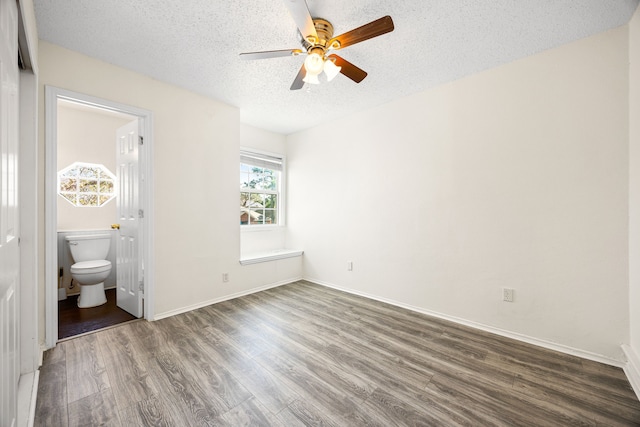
{"x": 9, "y": 250}
{"x": 130, "y": 274}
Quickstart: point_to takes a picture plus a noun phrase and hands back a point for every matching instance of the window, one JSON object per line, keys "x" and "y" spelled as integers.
{"x": 260, "y": 186}
{"x": 86, "y": 184}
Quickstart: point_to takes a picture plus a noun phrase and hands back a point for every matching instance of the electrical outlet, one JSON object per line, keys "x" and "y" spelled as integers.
{"x": 225, "y": 277}
{"x": 349, "y": 265}
{"x": 507, "y": 294}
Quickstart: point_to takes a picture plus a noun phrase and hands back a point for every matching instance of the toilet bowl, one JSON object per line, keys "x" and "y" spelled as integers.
{"x": 91, "y": 267}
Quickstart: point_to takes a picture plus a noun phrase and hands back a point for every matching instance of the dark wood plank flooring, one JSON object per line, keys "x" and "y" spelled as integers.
{"x": 306, "y": 355}
{"x": 74, "y": 321}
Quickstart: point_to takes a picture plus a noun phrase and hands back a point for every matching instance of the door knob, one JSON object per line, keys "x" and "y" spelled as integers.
{"x": 115, "y": 226}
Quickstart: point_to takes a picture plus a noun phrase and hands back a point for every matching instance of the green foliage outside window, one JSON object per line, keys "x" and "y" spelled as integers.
{"x": 258, "y": 195}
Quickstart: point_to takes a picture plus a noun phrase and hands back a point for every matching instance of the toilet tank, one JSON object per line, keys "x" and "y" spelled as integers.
{"x": 88, "y": 247}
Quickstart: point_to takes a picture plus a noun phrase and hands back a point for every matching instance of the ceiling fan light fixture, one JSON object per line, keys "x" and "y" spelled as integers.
{"x": 314, "y": 64}
{"x": 317, "y": 40}
{"x": 311, "y": 79}
{"x": 331, "y": 69}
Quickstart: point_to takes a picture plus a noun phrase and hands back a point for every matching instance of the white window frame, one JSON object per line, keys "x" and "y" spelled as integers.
{"x": 281, "y": 220}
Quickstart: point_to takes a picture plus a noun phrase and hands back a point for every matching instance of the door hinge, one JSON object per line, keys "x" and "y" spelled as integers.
{"x": 140, "y": 140}
{"x": 140, "y": 213}
{"x": 141, "y": 287}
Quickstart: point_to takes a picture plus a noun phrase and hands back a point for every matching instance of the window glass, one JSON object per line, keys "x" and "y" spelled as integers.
{"x": 260, "y": 183}
{"x": 86, "y": 184}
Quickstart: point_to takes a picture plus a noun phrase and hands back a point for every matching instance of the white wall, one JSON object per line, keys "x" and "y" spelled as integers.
{"x": 260, "y": 139}
{"x": 196, "y": 151}
{"x": 514, "y": 177}
{"x": 89, "y": 136}
{"x": 634, "y": 182}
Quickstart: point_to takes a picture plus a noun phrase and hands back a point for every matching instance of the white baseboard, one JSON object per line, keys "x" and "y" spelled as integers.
{"x": 632, "y": 368}
{"x": 27, "y": 395}
{"x": 223, "y": 298}
{"x": 508, "y": 334}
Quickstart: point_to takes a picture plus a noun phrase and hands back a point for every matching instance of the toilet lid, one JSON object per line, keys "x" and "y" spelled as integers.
{"x": 94, "y": 266}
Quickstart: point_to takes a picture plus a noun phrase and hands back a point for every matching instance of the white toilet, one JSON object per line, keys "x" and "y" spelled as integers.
{"x": 91, "y": 267}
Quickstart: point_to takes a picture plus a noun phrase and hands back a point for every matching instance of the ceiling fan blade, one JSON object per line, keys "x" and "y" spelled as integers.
{"x": 348, "y": 69}
{"x": 300, "y": 13}
{"x": 270, "y": 54}
{"x": 368, "y": 31}
{"x": 297, "y": 82}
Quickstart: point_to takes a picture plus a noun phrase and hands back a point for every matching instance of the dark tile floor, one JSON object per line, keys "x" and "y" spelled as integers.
{"x": 75, "y": 321}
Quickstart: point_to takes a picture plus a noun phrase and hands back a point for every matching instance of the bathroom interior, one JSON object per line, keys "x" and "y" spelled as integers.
{"x": 87, "y": 218}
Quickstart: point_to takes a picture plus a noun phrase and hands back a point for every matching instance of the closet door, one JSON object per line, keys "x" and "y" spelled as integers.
{"x": 9, "y": 250}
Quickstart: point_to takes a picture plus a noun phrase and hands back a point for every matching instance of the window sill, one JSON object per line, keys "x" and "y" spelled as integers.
{"x": 274, "y": 255}
{"x": 254, "y": 228}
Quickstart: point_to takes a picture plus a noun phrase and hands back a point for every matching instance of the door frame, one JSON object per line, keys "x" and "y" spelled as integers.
{"x": 145, "y": 117}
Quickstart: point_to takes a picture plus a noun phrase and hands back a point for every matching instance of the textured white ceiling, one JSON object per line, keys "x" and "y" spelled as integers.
{"x": 195, "y": 44}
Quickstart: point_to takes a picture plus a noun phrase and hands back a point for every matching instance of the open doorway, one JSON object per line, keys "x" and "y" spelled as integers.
{"x": 98, "y": 158}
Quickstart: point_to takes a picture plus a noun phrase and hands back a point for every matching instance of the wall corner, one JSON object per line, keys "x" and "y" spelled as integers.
{"x": 632, "y": 368}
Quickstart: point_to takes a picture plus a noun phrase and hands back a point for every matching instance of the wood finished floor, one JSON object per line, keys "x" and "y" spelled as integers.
{"x": 74, "y": 321}
{"x": 306, "y": 355}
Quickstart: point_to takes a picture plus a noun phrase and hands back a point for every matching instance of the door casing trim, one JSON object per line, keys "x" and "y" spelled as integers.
{"x": 52, "y": 95}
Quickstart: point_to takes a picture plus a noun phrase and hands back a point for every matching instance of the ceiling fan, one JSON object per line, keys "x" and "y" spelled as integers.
{"x": 318, "y": 42}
